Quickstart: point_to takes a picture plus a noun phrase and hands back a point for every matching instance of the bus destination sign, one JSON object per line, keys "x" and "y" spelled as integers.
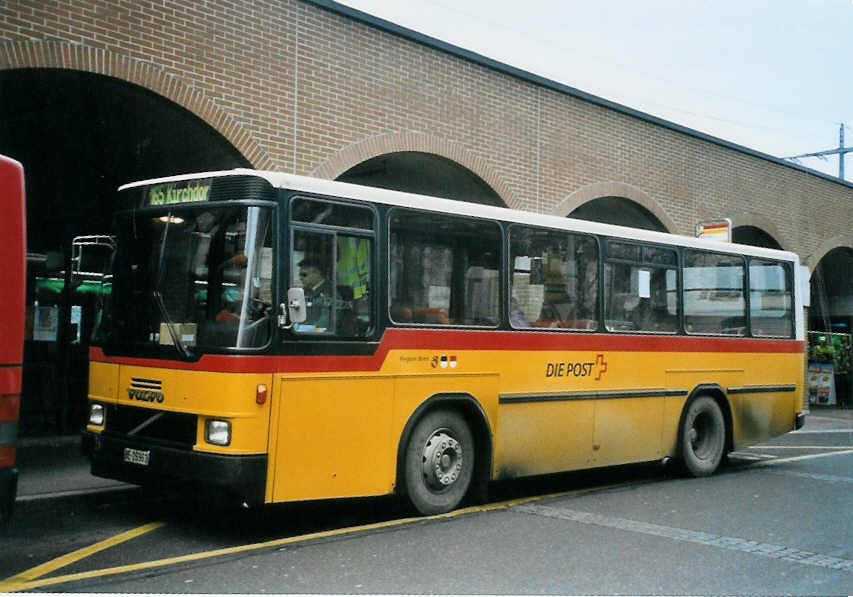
{"x": 185, "y": 191}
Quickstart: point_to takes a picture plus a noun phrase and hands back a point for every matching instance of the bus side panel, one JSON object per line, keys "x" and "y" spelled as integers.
{"x": 333, "y": 437}
{"x": 760, "y": 414}
{"x": 756, "y": 416}
{"x": 627, "y": 430}
{"x": 544, "y": 437}
{"x": 563, "y": 424}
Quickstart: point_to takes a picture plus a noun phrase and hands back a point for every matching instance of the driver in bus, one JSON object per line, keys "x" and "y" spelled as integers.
{"x": 317, "y": 301}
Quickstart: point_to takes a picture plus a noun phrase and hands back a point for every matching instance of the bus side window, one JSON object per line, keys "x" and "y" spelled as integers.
{"x": 714, "y": 299}
{"x": 641, "y": 289}
{"x": 331, "y": 259}
{"x": 554, "y": 279}
{"x": 770, "y": 298}
{"x": 444, "y": 270}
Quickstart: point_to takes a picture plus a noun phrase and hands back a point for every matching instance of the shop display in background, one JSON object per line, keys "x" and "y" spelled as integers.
{"x": 821, "y": 380}
{"x": 46, "y": 323}
{"x": 829, "y": 368}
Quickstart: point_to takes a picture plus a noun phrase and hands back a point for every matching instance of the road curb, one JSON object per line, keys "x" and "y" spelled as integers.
{"x": 76, "y": 498}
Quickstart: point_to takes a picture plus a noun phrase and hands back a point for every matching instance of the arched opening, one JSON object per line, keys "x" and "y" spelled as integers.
{"x": 832, "y": 292}
{"x": 422, "y": 173}
{"x": 79, "y": 136}
{"x": 619, "y": 211}
{"x": 750, "y": 235}
{"x": 831, "y": 312}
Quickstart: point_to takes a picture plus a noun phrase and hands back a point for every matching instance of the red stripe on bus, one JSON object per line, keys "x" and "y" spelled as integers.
{"x": 10, "y": 404}
{"x": 457, "y": 340}
{"x": 7, "y": 456}
{"x": 10, "y": 379}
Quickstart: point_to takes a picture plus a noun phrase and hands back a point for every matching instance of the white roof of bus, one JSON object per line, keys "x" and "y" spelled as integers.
{"x": 373, "y": 194}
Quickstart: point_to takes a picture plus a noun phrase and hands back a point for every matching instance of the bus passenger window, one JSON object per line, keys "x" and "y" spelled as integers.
{"x": 641, "y": 294}
{"x": 770, "y": 299}
{"x": 554, "y": 279}
{"x": 714, "y": 298}
{"x": 444, "y": 270}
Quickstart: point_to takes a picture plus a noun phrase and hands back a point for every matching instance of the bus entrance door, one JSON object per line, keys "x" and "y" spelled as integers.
{"x": 333, "y": 437}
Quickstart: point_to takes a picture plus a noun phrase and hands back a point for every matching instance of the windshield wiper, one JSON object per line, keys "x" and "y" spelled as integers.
{"x": 173, "y": 333}
{"x": 158, "y": 296}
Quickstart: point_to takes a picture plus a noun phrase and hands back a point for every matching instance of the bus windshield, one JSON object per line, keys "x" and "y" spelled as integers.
{"x": 190, "y": 280}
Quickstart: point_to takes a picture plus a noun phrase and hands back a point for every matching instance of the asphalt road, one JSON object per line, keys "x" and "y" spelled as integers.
{"x": 778, "y": 519}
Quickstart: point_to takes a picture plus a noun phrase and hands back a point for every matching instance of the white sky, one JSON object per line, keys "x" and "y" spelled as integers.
{"x": 772, "y": 75}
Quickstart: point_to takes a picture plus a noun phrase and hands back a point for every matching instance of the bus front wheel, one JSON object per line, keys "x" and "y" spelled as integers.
{"x": 439, "y": 462}
{"x": 703, "y": 437}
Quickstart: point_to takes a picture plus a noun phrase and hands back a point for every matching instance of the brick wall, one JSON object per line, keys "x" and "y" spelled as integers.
{"x": 297, "y": 88}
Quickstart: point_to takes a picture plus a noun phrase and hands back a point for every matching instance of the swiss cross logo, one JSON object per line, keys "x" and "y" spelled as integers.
{"x": 601, "y": 365}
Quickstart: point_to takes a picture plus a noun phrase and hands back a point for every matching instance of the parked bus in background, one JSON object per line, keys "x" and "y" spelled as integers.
{"x": 13, "y": 229}
{"x": 275, "y": 338}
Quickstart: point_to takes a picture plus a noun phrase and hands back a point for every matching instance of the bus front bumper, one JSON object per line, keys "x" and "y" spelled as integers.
{"x": 239, "y": 477}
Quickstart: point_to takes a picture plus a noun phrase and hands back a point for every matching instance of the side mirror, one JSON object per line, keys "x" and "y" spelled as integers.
{"x": 295, "y": 309}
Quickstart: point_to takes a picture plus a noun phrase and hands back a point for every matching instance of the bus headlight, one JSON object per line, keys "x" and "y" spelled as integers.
{"x": 217, "y": 432}
{"x": 96, "y": 414}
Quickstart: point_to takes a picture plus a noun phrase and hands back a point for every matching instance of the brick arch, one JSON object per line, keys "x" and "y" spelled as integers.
{"x": 759, "y": 221}
{"x": 836, "y": 242}
{"x": 410, "y": 141}
{"x": 62, "y": 55}
{"x": 623, "y": 190}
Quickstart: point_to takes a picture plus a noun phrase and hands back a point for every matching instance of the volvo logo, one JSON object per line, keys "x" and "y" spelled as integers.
{"x": 145, "y": 395}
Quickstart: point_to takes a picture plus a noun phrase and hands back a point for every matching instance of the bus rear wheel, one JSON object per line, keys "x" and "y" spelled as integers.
{"x": 439, "y": 462}
{"x": 703, "y": 437}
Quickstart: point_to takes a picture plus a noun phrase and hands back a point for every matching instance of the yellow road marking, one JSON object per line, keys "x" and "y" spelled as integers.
{"x": 18, "y": 581}
{"x": 23, "y": 584}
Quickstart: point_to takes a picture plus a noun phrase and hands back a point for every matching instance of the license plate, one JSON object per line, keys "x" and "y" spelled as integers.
{"x": 137, "y": 456}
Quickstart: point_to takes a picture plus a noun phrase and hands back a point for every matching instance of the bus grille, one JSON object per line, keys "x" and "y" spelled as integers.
{"x": 178, "y": 429}
{"x": 141, "y": 383}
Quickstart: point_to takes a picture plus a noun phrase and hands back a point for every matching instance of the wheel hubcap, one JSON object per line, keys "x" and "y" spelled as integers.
{"x": 442, "y": 458}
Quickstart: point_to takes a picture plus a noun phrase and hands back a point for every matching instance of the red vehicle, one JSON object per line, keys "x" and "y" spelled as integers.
{"x": 12, "y": 297}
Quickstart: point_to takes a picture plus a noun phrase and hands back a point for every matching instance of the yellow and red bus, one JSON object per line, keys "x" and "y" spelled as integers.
{"x": 276, "y": 338}
{"x": 13, "y": 230}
